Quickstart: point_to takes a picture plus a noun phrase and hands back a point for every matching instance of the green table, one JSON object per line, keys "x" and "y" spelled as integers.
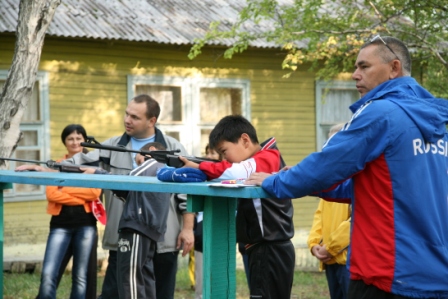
{"x": 218, "y": 204}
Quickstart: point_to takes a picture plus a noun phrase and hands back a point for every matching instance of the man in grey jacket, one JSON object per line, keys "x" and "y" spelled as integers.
{"x": 139, "y": 122}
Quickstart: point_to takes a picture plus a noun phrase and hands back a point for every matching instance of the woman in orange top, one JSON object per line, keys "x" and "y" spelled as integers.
{"x": 72, "y": 227}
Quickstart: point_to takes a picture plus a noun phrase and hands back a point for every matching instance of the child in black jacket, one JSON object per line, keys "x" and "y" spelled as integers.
{"x": 142, "y": 224}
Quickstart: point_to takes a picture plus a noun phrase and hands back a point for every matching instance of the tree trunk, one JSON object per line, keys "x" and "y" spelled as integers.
{"x": 34, "y": 18}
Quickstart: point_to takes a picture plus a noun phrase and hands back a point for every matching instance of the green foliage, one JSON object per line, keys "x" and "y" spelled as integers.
{"x": 328, "y": 34}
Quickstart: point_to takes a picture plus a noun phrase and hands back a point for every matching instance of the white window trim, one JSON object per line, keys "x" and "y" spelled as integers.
{"x": 190, "y": 103}
{"x": 320, "y": 85}
{"x": 199, "y": 83}
{"x": 44, "y": 132}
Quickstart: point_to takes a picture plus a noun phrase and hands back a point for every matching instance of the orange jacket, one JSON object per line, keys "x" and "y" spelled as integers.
{"x": 58, "y": 196}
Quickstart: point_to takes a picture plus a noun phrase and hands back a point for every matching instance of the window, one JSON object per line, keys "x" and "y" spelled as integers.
{"x": 34, "y": 143}
{"x": 214, "y": 104}
{"x": 332, "y": 106}
{"x": 190, "y": 108}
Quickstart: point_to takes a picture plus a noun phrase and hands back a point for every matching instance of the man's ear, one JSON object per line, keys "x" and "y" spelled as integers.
{"x": 396, "y": 69}
{"x": 153, "y": 120}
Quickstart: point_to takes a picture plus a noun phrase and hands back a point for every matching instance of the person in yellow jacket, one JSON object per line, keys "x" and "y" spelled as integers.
{"x": 329, "y": 239}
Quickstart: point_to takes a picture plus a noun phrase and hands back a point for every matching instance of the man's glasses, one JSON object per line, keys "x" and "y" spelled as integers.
{"x": 378, "y": 37}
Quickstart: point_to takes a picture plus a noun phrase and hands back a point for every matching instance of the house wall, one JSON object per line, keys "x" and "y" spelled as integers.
{"x": 87, "y": 82}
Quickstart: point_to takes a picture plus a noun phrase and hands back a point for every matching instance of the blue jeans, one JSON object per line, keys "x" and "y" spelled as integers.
{"x": 338, "y": 278}
{"x": 82, "y": 239}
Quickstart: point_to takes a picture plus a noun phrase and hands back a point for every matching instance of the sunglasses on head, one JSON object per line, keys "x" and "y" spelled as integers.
{"x": 378, "y": 37}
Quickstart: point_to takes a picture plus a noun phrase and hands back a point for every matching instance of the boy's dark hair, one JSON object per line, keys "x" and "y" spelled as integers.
{"x": 230, "y": 128}
{"x": 157, "y": 145}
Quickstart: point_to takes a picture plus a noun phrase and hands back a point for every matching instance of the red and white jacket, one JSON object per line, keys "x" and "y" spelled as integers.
{"x": 258, "y": 219}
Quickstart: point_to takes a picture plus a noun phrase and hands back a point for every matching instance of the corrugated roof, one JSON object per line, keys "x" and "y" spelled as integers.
{"x": 160, "y": 21}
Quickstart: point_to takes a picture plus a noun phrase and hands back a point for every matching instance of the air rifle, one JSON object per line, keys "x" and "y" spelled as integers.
{"x": 52, "y": 164}
{"x": 168, "y": 157}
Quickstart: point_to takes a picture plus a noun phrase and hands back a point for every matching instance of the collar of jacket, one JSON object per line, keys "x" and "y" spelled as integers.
{"x": 405, "y": 84}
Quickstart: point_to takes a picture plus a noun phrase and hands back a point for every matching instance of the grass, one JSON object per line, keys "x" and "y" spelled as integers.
{"x": 307, "y": 285}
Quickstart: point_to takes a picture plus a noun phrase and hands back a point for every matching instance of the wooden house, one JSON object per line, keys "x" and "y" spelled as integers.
{"x": 99, "y": 54}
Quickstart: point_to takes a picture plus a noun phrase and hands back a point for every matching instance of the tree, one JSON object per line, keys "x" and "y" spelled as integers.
{"x": 328, "y": 34}
{"x": 33, "y": 20}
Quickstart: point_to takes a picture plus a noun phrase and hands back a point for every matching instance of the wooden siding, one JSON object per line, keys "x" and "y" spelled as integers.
{"x": 88, "y": 85}
{"x": 304, "y": 209}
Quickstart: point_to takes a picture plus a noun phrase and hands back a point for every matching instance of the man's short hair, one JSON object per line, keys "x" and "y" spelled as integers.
{"x": 230, "y": 128}
{"x": 152, "y": 106}
{"x": 399, "y": 50}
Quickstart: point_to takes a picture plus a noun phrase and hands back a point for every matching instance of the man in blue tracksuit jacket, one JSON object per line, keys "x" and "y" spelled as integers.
{"x": 392, "y": 158}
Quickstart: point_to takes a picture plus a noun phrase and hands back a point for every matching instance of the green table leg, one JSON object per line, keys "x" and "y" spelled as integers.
{"x": 3, "y": 186}
{"x": 219, "y": 245}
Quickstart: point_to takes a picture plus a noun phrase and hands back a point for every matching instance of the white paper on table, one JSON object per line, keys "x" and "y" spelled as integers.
{"x": 229, "y": 185}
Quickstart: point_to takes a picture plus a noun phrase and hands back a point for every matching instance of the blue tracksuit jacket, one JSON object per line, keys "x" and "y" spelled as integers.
{"x": 395, "y": 151}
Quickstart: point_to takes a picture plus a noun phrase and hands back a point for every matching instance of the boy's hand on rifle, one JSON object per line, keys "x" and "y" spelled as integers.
{"x": 188, "y": 163}
{"x": 34, "y": 168}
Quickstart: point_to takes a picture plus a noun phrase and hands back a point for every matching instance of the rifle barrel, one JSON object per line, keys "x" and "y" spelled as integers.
{"x": 23, "y": 160}
{"x": 124, "y": 150}
{"x": 108, "y": 147}
{"x": 163, "y": 156}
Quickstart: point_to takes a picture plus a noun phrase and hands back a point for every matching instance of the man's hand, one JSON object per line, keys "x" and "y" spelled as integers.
{"x": 185, "y": 238}
{"x": 256, "y": 178}
{"x": 188, "y": 163}
{"x": 186, "y": 235}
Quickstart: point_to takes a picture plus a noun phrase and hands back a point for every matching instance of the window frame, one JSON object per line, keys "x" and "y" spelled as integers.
{"x": 320, "y": 86}
{"x": 42, "y": 128}
{"x": 190, "y": 93}
{"x": 199, "y": 83}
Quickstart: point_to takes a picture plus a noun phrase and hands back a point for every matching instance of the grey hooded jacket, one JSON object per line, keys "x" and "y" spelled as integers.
{"x": 118, "y": 163}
